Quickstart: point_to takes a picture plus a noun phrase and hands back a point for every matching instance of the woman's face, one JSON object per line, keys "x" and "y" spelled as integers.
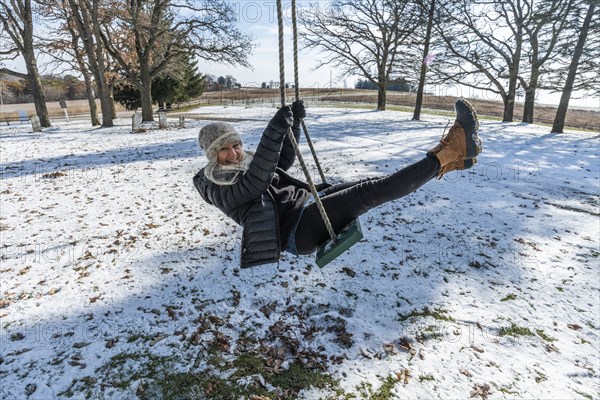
{"x": 230, "y": 154}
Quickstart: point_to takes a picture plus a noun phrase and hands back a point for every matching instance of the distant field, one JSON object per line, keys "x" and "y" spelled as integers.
{"x": 576, "y": 118}
{"x": 544, "y": 114}
{"x": 75, "y": 107}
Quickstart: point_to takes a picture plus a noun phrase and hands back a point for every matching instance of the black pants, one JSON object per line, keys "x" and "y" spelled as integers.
{"x": 346, "y": 201}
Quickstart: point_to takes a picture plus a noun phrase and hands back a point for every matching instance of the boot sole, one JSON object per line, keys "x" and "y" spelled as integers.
{"x": 466, "y": 116}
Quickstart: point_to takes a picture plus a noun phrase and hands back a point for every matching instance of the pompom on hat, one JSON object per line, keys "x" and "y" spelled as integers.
{"x": 214, "y": 136}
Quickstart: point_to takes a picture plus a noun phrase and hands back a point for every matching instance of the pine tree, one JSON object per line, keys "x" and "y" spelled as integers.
{"x": 181, "y": 83}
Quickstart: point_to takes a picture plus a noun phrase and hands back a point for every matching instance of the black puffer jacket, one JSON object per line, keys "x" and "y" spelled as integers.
{"x": 248, "y": 201}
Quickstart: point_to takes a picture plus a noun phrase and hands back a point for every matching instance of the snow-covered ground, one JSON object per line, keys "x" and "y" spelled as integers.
{"x": 484, "y": 284}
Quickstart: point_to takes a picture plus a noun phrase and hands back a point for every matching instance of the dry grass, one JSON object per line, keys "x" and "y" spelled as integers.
{"x": 575, "y": 119}
{"x": 75, "y": 107}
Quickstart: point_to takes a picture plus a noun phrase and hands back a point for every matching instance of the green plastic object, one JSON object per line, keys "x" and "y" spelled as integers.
{"x": 347, "y": 237}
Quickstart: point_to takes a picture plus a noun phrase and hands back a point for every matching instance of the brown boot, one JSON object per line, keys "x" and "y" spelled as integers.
{"x": 461, "y": 144}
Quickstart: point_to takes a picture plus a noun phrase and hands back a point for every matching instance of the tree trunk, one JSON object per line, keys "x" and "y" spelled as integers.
{"x": 33, "y": 75}
{"x": 382, "y": 81}
{"x": 509, "y": 105}
{"x": 105, "y": 96}
{"x": 563, "y": 105}
{"x": 511, "y": 94}
{"x": 39, "y": 99}
{"x": 421, "y": 88}
{"x": 87, "y": 79}
{"x": 105, "y": 107}
{"x": 381, "y": 94}
{"x": 146, "y": 99}
{"x": 87, "y": 25}
{"x": 529, "y": 106}
{"x": 89, "y": 92}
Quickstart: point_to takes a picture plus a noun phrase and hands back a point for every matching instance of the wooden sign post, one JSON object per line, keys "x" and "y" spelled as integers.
{"x": 63, "y": 105}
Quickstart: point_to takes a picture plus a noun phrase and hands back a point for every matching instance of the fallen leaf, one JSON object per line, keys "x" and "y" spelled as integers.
{"x": 477, "y": 349}
{"x": 404, "y": 344}
{"x": 268, "y": 309}
{"x": 482, "y": 391}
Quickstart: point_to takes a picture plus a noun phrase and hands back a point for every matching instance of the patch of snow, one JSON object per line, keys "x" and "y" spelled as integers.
{"x": 107, "y": 249}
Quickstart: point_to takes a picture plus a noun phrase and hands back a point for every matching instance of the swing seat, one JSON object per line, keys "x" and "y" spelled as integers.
{"x": 347, "y": 237}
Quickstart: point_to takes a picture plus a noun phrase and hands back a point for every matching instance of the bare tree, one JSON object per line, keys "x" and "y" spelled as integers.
{"x": 62, "y": 44}
{"x": 563, "y": 105}
{"x": 426, "y": 58}
{"x": 484, "y": 46}
{"x": 147, "y": 36}
{"x": 87, "y": 16}
{"x": 361, "y": 37}
{"x": 83, "y": 67}
{"x": 587, "y": 78}
{"x": 16, "y": 17}
{"x": 544, "y": 30}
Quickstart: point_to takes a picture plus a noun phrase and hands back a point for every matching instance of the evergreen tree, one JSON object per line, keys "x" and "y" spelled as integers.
{"x": 194, "y": 82}
{"x": 166, "y": 88}
{"x": 182, "y": 83}
{"x": 128, "y": 96}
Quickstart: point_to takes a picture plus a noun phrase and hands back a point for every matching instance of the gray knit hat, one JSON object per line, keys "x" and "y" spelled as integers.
{"x": 214, "y": 136}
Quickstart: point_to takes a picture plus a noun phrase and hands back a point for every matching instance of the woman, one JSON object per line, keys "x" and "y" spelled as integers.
{"x": 276, "y": 210}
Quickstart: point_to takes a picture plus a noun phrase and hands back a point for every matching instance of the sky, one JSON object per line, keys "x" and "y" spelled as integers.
{"x": 259, "y": 19}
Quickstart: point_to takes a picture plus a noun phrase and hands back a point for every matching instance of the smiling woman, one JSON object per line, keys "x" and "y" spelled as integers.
{"x": 230, "y": 154}
{"x": 224, "y": 150}
{"x": 280, "y": 213}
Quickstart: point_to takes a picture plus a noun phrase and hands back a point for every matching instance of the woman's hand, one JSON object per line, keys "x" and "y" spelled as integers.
{"x": 284, "y": 118}
{"x": 288, "y": 116}
{"x": 298, "y": 110}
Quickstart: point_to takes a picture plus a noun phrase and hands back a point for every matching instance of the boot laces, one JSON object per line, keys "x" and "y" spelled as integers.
{"x": 445, "y": 140}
